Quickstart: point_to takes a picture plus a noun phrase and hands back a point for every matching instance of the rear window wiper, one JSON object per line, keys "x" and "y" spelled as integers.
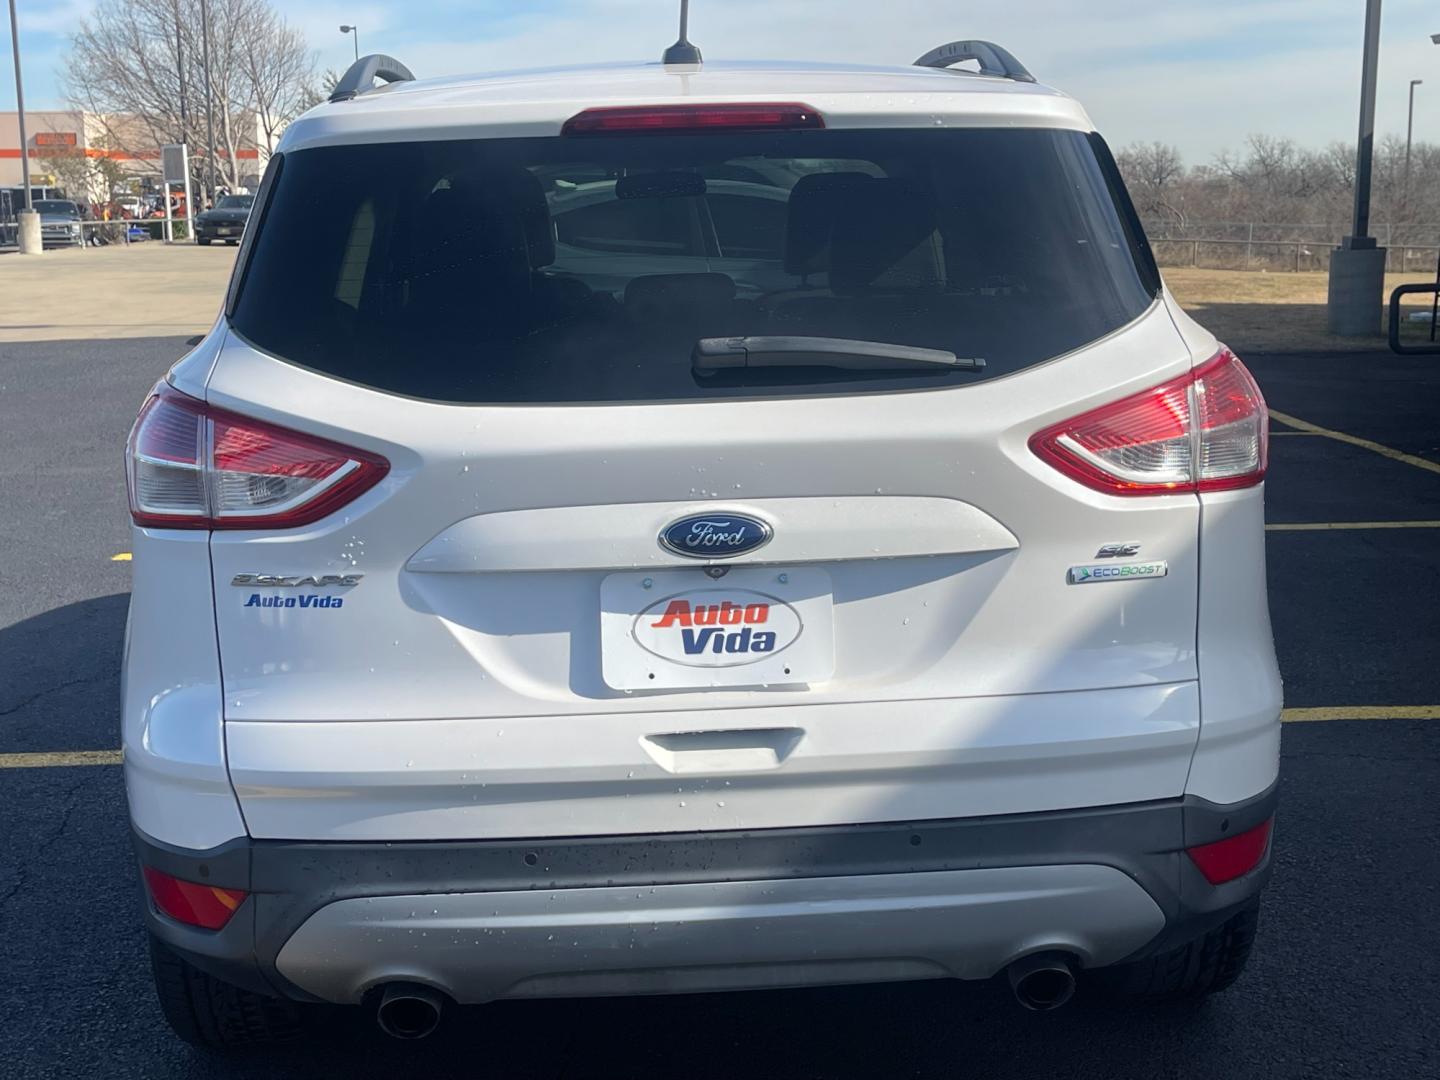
{"x": 716, "y": 354}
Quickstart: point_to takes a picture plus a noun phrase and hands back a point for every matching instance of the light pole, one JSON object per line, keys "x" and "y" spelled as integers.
{"x": 180, "y": 72}
{"x": 27, "y": 222}
{"x": 1357, "y": 266}
{"x": 356, "y": 31}
{"x": 1409, "y": 136}
{"x": 209, "y": 101}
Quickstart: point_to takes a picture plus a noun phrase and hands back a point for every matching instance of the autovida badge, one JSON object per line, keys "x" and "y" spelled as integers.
{"x": 714, "y": 536}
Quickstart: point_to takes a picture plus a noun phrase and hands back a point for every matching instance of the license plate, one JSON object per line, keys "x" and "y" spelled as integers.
{"x": 224, "y": 232}
{"x": 682, "y": 629}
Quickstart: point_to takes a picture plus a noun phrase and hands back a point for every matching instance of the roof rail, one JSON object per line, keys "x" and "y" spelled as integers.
{"x": 993, "y": 59}
{"x": 359, "y": 77}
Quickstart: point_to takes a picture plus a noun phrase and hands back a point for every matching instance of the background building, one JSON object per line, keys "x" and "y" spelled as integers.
{"x": 90, "y": 155}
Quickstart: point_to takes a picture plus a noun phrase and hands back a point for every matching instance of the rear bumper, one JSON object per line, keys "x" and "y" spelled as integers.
{"x": 224, "y": 231}
{"x": 707, "y": 911}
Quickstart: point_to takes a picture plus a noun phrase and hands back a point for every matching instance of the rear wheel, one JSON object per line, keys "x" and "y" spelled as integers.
{"x": 1204, "y": 966}
{"x": 214, "y": 1015}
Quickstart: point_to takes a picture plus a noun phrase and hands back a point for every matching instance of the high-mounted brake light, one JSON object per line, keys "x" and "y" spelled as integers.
{"x": 190, "y": 466}
{"x": 1205, "y": 431}
{"x": 206, "y": 906}
{"x": 661, "y": 119}
{"x": 1235, "y": 856}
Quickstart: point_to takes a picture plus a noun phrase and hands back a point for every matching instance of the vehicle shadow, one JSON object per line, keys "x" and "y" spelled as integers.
{"x": 60, "y": 677}
{"x": 941, "y": 1028}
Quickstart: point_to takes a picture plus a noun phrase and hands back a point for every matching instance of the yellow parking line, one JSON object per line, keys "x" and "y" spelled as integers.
{"x": 1325, "y": 526}
{"x": 124, "y": 556}
{"x": 59, "y": 759}
{"x": 1363, "y": 712}
{"x": 1353, "y": 440}
{"x": 66, "y": 758}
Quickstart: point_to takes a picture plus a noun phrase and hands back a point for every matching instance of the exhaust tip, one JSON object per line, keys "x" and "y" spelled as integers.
{"x": 1042, "y": 981}
{"x": 409, "y": 1010}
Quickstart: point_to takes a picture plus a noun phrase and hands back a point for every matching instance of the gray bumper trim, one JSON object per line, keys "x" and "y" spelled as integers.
{"x": 477, "y": 947}
{"x": 292, "y": 880}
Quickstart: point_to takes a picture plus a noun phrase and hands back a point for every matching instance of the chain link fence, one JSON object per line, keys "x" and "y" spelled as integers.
{"x": 1247, "y": 245}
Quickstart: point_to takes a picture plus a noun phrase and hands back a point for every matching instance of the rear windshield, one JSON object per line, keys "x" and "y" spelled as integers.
{"x": 585, "y": 269}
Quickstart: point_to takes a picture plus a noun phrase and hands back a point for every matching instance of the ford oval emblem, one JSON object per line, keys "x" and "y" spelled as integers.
{"x": 714, "y": 536}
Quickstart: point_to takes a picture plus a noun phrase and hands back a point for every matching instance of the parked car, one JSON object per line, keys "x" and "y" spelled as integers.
{"x": 59, "y": 222}
{"x": 527, "y": 605}
{"x": 225, "y": 220}
{"x": 130, "y": 206}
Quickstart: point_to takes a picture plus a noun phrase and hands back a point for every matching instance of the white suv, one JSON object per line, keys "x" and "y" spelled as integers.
{"x": 862, "y": 581}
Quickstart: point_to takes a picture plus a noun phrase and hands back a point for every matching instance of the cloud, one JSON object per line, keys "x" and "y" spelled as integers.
{"x": 1198, "y": 75}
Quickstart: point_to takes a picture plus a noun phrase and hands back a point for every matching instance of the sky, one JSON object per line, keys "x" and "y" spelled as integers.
{"x": 1200, "y": 75}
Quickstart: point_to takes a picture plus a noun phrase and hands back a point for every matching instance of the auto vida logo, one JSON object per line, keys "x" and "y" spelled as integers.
{"x": 717, "y": 627}
{"x": 715, "y": 536}
{"x": 295, "y": 581}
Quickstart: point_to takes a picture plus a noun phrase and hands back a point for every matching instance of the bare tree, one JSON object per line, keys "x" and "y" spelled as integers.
{"x": 280, "y": 69}
{"x": 140, "y": 62}
{"x": 1274, "y": 183}
{"x": 1153, "y": 172}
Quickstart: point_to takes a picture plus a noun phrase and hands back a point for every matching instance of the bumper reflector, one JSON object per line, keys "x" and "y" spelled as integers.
{"x": 189, "y": 902}
{"x": 1225, "y": 860}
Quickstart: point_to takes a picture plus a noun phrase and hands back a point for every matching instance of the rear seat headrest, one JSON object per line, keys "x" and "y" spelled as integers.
{"x": 469, "y": 250}
{"x": 522, "y": 190}
{"x": 810, "y": 219}
{"x": 885, "y": 234}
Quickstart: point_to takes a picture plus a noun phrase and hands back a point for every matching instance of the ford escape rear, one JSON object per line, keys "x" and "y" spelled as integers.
{"x": 684, "y": 527}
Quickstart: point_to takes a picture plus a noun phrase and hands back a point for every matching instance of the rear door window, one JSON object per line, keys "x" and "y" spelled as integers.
{"x": 552, "y": 270}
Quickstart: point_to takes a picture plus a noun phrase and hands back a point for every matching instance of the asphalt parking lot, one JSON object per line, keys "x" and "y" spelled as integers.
{"x": 1342, "y": 984}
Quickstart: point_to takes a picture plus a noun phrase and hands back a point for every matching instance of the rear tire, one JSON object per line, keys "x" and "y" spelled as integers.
{"x": 1194, "y": 970}
{"x": 214, "y": 1015}
{"x": 202, "y": 241}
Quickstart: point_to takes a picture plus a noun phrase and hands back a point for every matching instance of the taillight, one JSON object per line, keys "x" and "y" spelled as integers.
{"x": 1205, "y": 431}
{"x": 191, "y": 466}
{"x": 1235, "y": 856}
{"x": 206, "y": 906}
{"x": 743, "y": 116}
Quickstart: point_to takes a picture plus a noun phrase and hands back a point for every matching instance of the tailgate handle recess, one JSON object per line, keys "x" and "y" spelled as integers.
{"x": 741, "y": 750}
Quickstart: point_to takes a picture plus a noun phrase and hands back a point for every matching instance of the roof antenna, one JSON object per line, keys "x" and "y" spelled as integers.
{"x": 682, "y": 52}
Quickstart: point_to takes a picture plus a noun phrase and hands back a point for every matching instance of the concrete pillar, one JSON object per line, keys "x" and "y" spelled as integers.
{"x": 29, "y": 229}
{"x": 1357, "y": 290}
